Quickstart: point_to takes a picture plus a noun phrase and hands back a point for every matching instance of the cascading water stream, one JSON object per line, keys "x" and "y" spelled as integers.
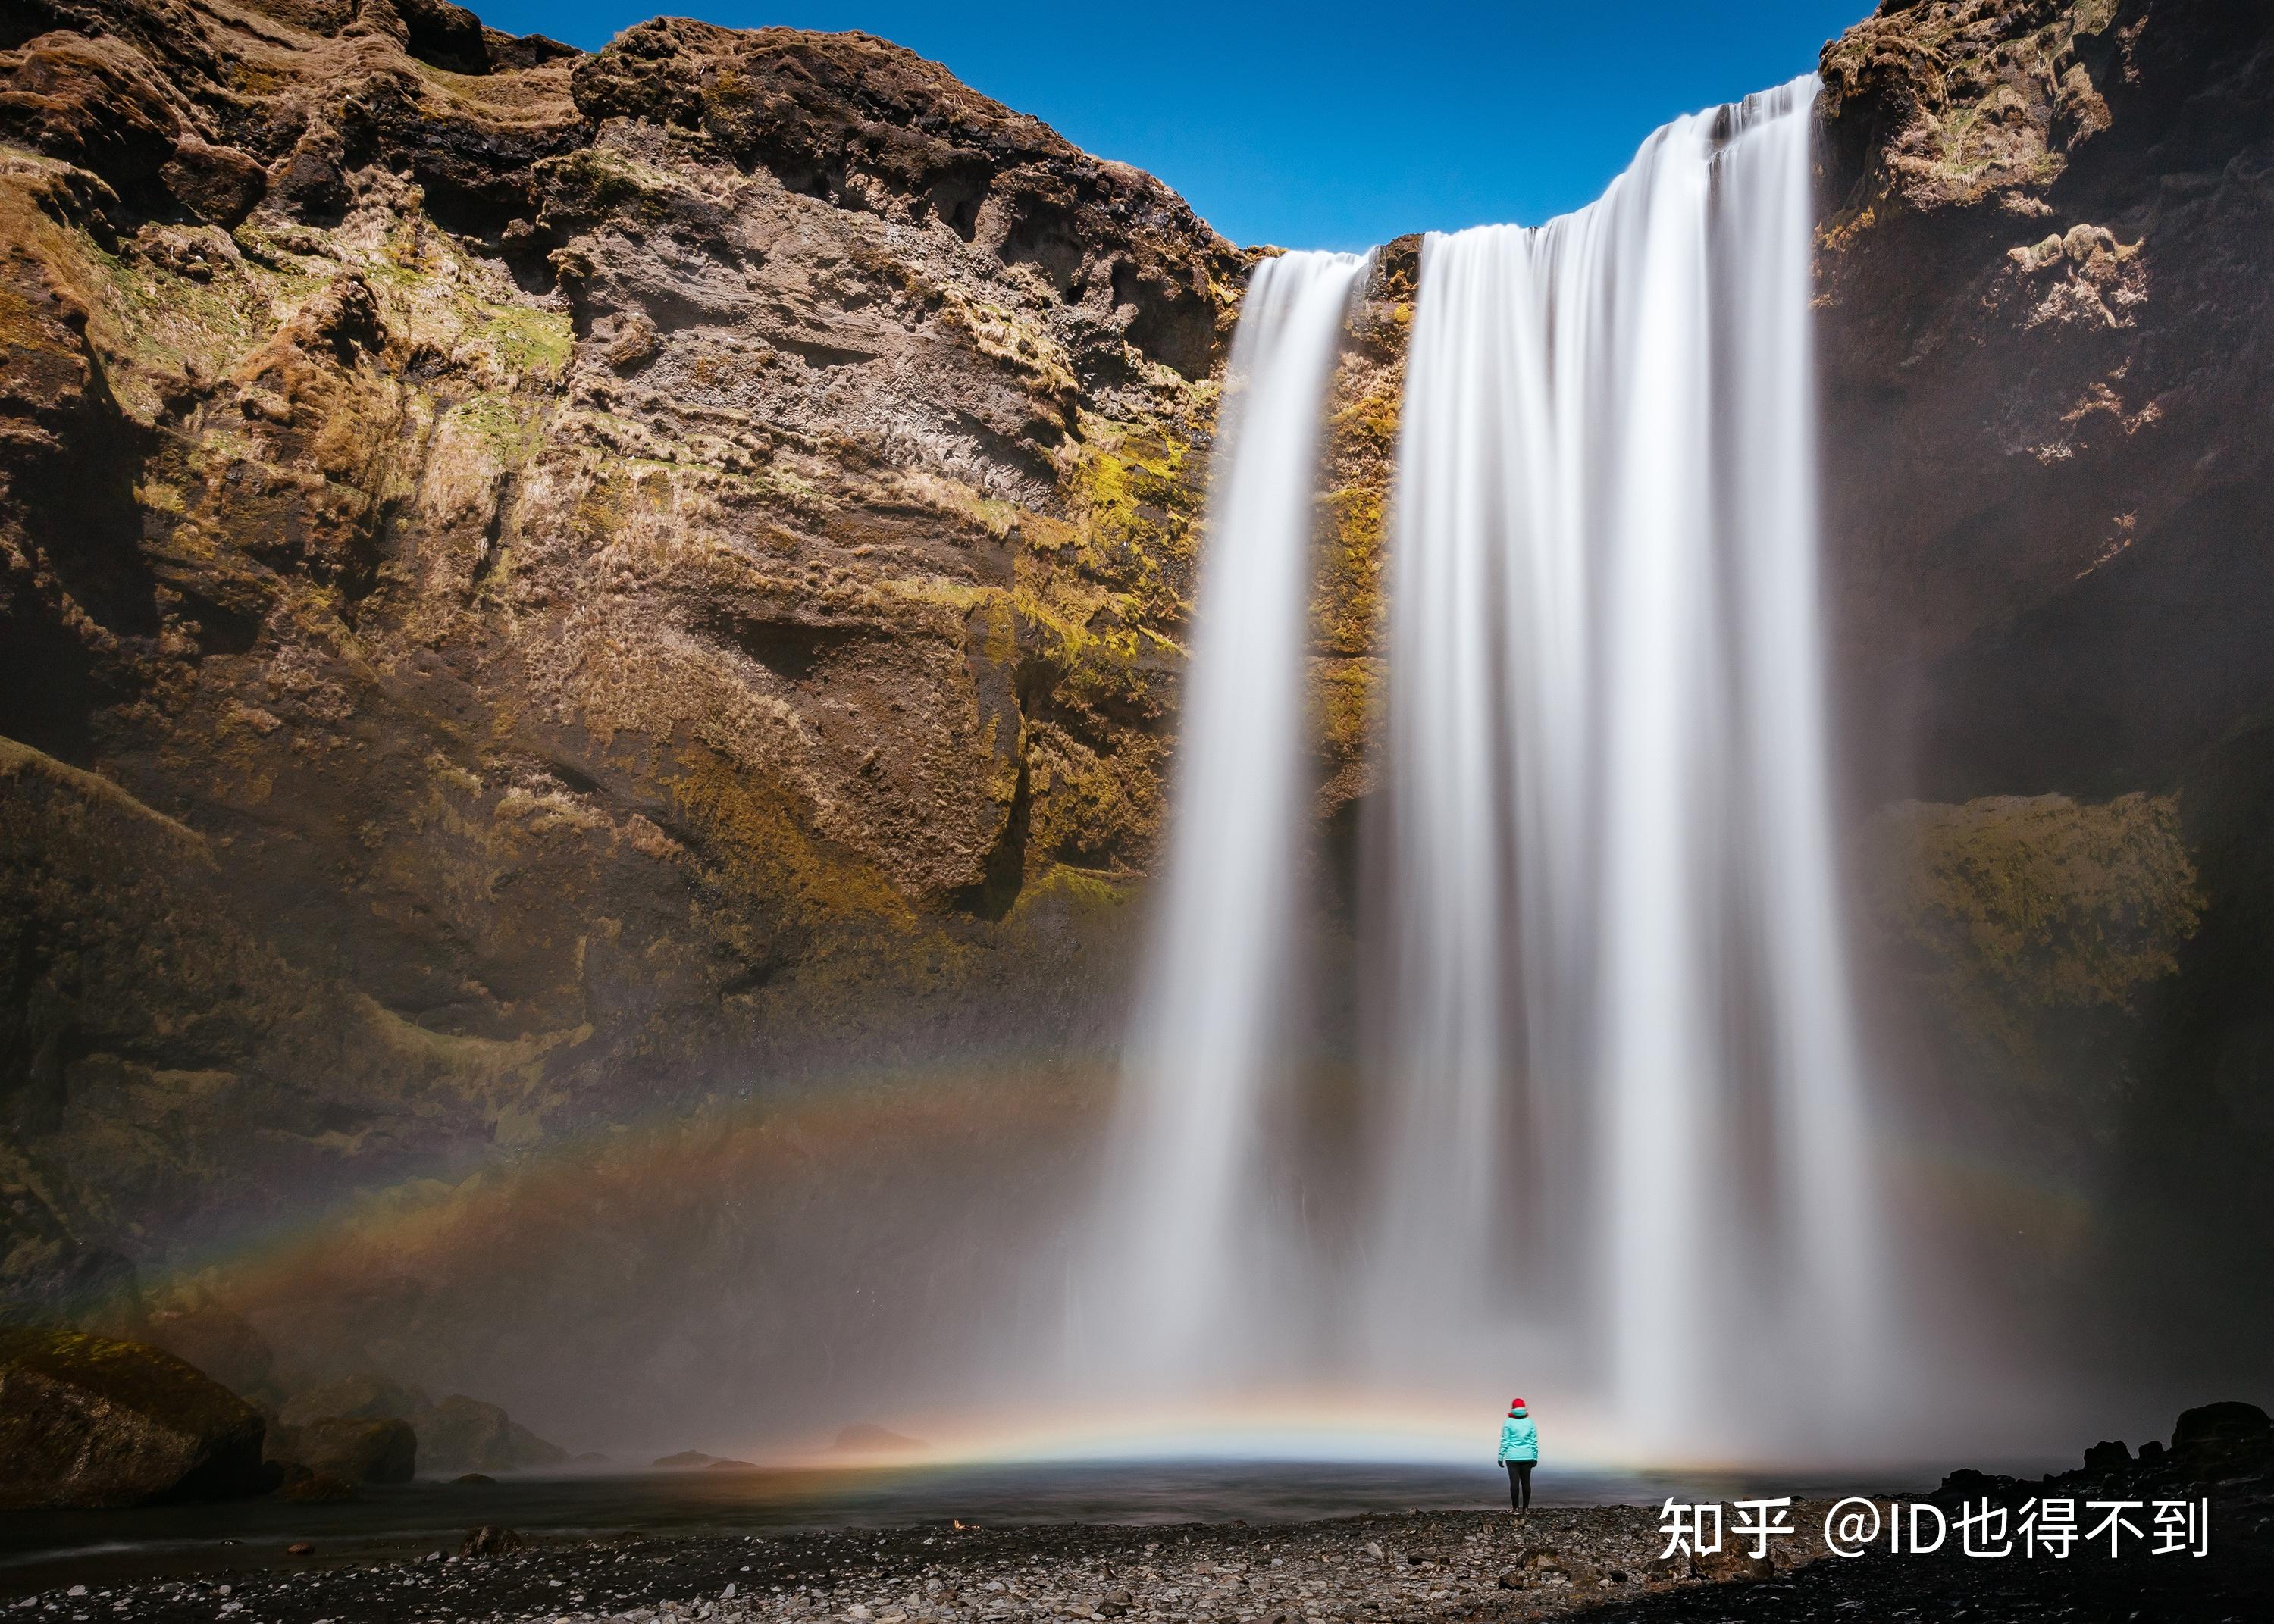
{"x": 1617, "y": 1142}
{"x": 1190, "y": 1245}
{"x": 1621, "y": 1088}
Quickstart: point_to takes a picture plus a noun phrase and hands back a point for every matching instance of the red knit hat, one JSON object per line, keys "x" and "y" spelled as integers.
{"x": 1515, "y": 1403}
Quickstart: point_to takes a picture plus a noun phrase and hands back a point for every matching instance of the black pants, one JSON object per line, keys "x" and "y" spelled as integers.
{"x": 1519, "y": 1485}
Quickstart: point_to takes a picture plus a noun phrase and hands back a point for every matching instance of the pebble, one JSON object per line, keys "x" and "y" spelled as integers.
{"x": 1602, "y": 1562}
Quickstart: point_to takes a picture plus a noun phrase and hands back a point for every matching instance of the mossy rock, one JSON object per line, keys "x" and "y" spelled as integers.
{"x": 89, "y": 1421}
{"x": 2028, "y": 911}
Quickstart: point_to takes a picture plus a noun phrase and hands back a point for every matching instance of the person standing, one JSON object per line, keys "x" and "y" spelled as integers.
{"x": 1519, "y": 1452}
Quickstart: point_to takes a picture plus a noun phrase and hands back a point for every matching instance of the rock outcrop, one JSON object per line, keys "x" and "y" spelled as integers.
{"x": 351, "y": 1451}
{"x": 867, "y": 1437}
{"x": 2048, "y": 344}
{"x": 366, "y": 1428}
{"x": 2221, "y": 1437}
{"x": 2048, "y": 349}
{"x": 462, "y": 1434}
{"x": 2227, "y": 1447}
{"x": 89, "y": 1421}
{"x": 529, "y": 578}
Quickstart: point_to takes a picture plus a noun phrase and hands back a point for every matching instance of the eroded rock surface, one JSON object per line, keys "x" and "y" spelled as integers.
{"x": 90, "y": 1421}
{"x": 2048, "y": 352}
{"x": 2048, "y": 344}
{"x": 527, "y": 578}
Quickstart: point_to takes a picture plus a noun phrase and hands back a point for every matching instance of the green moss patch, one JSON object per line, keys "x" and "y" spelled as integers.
{"x": 134, "y": 1377}
{"x": 2026, "y": 907}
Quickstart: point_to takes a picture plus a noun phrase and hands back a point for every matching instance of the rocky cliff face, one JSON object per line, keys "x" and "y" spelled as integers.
{"x": 526, "y": 577}
{"x": 2049, "y": 347}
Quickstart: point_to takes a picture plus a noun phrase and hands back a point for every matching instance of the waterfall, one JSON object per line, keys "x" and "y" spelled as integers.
{"x": 1614, "y": 1135}
{"x": 1191, "y": 1247}
{"x": 1622, "y": 1095}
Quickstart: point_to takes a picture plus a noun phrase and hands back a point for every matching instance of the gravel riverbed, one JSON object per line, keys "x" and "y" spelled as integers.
{"x": 1589, "y": 1563}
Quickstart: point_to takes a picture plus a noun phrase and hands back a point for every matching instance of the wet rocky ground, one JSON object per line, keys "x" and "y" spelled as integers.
{"x": 1594, "y": 1563}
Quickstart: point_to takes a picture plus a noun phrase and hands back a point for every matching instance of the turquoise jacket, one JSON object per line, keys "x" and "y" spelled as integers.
{"x": 1519, "y": 1439}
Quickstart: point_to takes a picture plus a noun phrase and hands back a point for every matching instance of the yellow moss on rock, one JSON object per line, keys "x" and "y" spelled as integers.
{"x": 2024, "y": 908}
{"x": 1133, "y": 496}
{"x": 1986, "y": 97}
{"x": 538, "y": 341}
{"x": 760, "y": 848}
{"x": 1361, "y": 455}
{"x": 1091, "y": 808}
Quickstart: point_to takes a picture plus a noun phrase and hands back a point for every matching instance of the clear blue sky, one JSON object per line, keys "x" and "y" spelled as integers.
{"x": 1328, "y": 124}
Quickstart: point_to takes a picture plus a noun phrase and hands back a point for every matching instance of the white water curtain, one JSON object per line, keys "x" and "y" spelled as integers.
{"x": 1617, "y": 1142}
{"x": 1625, "y": 1106}
{"x": 1194, "y": 1257}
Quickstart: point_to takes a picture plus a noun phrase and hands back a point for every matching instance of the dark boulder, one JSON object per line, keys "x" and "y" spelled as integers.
{"x": 1967, "y": 1483}
{"x": 359, "y": 1451}
{"x": 89, "y": 1421}
{"x": 2230, "y": 1433}
{"x": 216, "y": 183}
{"x": 445, "y": 36}
{"x": 490, "y": 1541}
{"x": 2108, "y": 1456}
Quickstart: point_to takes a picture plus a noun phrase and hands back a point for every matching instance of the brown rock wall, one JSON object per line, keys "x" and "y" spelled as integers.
{"x": 2046, "y": 353}
{"x": 530, "y": 581}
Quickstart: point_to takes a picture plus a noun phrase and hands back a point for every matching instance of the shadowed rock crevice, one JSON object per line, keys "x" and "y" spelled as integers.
{"x": 793, "y": 649}
{"x": 1004, "y": 871}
